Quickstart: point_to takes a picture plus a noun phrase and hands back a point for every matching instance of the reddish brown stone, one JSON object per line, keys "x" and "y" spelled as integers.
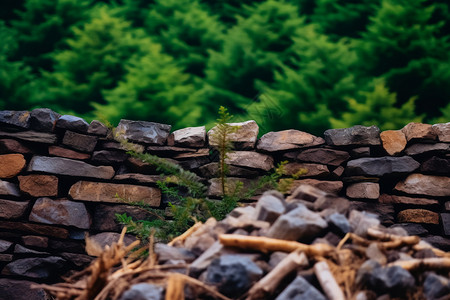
{"x": 63, "y": 152}
{"x": 12, "y": 209}
{"x": 35, "y": 241}
{"x": 250, "y": 159}
{"x": 11, "y": 165}
{"x": 418, "y": 216}
{"x": 364, "y": 190}
{"x": 419, "y": 131}
{"x": 333, "y": 187}
{"x": 287, "y": 140}
{"x": 320, "y": 155}
{"x": 394, "y": 199}
{"x": 39, "y": 185}
{"x": 138, "y": 178}
{"x": 394, "y": 141}
{"x": 52, "y": 231}
{"x": 13, "y": 146}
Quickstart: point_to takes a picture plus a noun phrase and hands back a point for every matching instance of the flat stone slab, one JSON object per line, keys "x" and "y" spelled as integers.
{"x": 395, "y": 199}
{"x": 67, "y": 153}
{"x": 98, "y": 128}
{"x": 244, "y": 138}
{"x": 11, "y": 165}
{"x": 212, "y": 170}
{"x": 17, "y": 118}
{"x": 250, "y": 159}
{"x": 9, "y": 189}
{"x": 287, "y": 140}
{"x": 380, "y": 166}
{"x": 194, "y": 137}
{"x": 436, "y": 166}
{"x": 320, "y": 155}
{"x": 13, "y": 146}
{"x": 12, "y": 209}
{"x": 416, "y": 149}
{"x": 37, "y": 185}
{"x": 30, "y": 228}
{"x": 80, "y": 142}
{"x": 114, "y": 193}
{"x": 356, "y": 135}
{"x": 306, "y": 170}
{"x": 65, "y": 166}
{"x": 21, "y": 290}
{"x": 105, "y": 216}
{"x": 418, "y": 216}
{"x": 37, "y": 267}
{"x": 364, "y": 190}
{"x": 333, "y": 187}
{"x": 32, "y": 136}
{"x": 60, "y": 212}
{"x": 144, "y": 132}
{"x": 419, "y": 184}
{"x": 138, "y": 178}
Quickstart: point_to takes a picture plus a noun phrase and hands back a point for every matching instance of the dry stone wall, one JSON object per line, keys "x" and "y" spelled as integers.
{"x": 60, "y": 178}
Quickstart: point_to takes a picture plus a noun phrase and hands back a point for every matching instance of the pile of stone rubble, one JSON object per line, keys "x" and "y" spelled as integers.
{"x": 310, "y": 245}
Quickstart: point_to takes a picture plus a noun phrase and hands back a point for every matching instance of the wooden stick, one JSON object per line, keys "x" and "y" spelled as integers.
{"x": 432, "y": 263}
{"x": 267, "y": 285}
{"x": 175, "y": 287}
{"x": 186, "y": 234}
{"x": 327, "y": 281}
{"x": 265, "y": 244}
{"x": 393, "y": 240}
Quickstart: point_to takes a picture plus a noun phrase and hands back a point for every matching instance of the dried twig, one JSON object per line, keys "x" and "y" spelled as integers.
{"x": 175, "y": 287}
{"x": 433, "y": 263}
{"x": 327, "y": 281}
{"x": 186, "y": 234}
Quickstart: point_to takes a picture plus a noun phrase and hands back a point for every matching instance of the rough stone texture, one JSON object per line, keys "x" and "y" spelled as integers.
{"x": 287, "y": 140}
{"x": 320, "y": 155}
{"x": 215, "y": 187}
{"x": 38, "y": 267}
{"x": 416, "y": 149}
{"x": 64, "y": 166}
{"x": 35, "y": 241}
{"x": 418, "y": 184}
{"x": 17, "y": 118}
{"x": 9, "y": 189}
{"x": 340, "y": 222}
{"x": 39, "y": 185}
{"x": 106, "y": 192}
{"x": 332, "y": 204}
{"x": 5, "y": 245}
{"x": 28, "y": 228}
{"x": 109, "y": 156}
{"x": 143, "y": 291}
{"x": 144, "y": 132}
{"x": 250, "y": 159}
{"x": 269, "y": 208}
{"x": 97, "y": 128}
{"x": 442, "y": 131}
{"x": 11, "y": 165}
{"x": 418, "y": 131}
{"x": 60, "y": 212}
{"x": 380, "y": 166}
{"x": 393, "y": 280}
{"x": 300, "y": 289}
{"x": 67, "y": 153}
{"x": 32, "y": 136}
{"x": 12, "y": 209}
{"x": 13, "y": 146}
{"x": 438, "y": 242}
{"x": 445, "y": 217}
{"x": 436, "y": 286}
{"x": 395, "y": 199}
{"x": 139, "y": 178}
{"x": 333, "y": 187}
{"x": 20, "y": 290}
{"x": 412, "y": 228}
{"x": 188, "y": 137}
{"x": 384, "y": 212}
{"x": 199, "y": 153}
{"x": 43, "y": 119}
{"x": 80, "y": 142}
{"x": 211, "y": 170}
{"x": 244, "y": 138}
{"x": 233, "y": 274}
{"x": 356, "y": 135}
{"x": 436, "y": 165}
{"x": 23, "y": 250}
{"x": 418, "y": 216}
{"x": 393, "y": 141}
{"x": 107, "y": 238}
{"x": 364, "y": 190}
{"x": 105, "y": 216}
{"x": 73, "y": 123}
{"x": 306, "y": 170}
{"x": 79, "y": 260}
{"x": 360, "y": 152}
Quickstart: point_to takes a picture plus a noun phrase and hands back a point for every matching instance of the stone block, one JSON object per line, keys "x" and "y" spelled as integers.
{"x": 32, "y": 136}
{"x": 320, "y": 155}
{"x": 72, "y": 123}
{"x": 250, "y": 159}
{"x": 36, "y": 267}
{"x": 333, "y": 187}
{"x": 418, "y": 216}
{"x": 194, "y": 137}
{"x": 429, "y": 185}
{"x": 394, "y": 141}
{"x": 380, "y": 166}
{"x": 9, "y": 189}
{"x": 436, "y": 166}
{"x": 306, "y": 170}
{"x": 80, "y": 142}
{"x": 67, "y": 153}
{"x": 287, "y": 140}
{"x": 12, "y": 209}
{"x": 35, "y": 241}
{"x": 353, "y": 136}
{"x": 39, "y": 185}
{"x": 364, "y": 190}
{"x": 39, "y": 229}
{"x": 43, "y": 119}
{"x": 420, "y": 131}
{"x": 11, "y": 165}
{"x": 97, "y": 128}
{"x": 13, "y": 146}
{"x": 442, "y": 131}
{"x": 395, "y": 199}
{"x": 109, "y": 156}
{"x": 243, "y": 138}
{"x": 144, "y": 132}
{"x": 419, "y": 148}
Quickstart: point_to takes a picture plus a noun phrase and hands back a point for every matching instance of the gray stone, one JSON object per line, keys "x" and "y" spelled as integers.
{"x": 12, "y": 209}
{"x": 394, "y": 199}
{"x": 445, "y": 217}
{"x": 144, "y": 132}
{"x": 60, "y": 212}
{"x": 32, "y": 136}
{"x": 243, "y": 138}
{"x": 166, "y": 252}
{"x": 440, "y": 242}
{"x": 139, "y": 178}
{"x": 105, "y": 216}
{"x": 287, "y": 140}
{"x": 332, "y": 203}
{"x": 306, "y": 192}
{"x": 428, "y": 185}
{"x": 109, "y": 156}
{"x": 65, "y": 166}
{"x": 188, "y": 137}
{"x": 360, "y": 152}
{"x": 37, "y": 267}
{"x": 143, "y": 291}
{"x": 211, "y": 170}
{"x": 233, "y": 274}
{"x": 16, "y": 118}
{"x": 23, "y": 250}
{"x": 29, "y": 228}
{"x": 436, "y": 166}
{"x": 20, "y": 290}
{"x": 250, "y": 159}
{"x": 44, "y": 119}
{"x": 9, "y": 189}
{"x": 364, "y": 190}
{"x": 276, "y": 257}
{"x": 436, "y": 286}
{"x": 5, "y": 245}
{"x": 416, "y": 149}
{"x": 364, "y": 272}
{"x": 97, "y": 128}
{"x": 80, "y": 142}
{"x": 356, "y": 135}
{"x": 442, "y": 131}
{"x": 300, "y": 289}
{"x": 108, "y": 238}
{"x": 269, "y": 208}
{"x": 298, "y": 224}
{"x": 67, "y": 153}
{"x": 205, "y": 258}
{"x": 361, "y": 221}
{"x": 393, "y": 280}
{"x": 79, "y": 260}
{"x": 411, "y": 228}
{"x": 384, "y": 212}
{"x": 340, "y": 222}
{"x": 320, "y": 155}
{"x": 72, "y": 123}
{"x": 380, "y": 166}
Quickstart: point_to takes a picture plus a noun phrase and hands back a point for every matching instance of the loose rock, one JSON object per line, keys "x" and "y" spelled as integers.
{"x": 244, "y": 137}
{"x": 144, "y": 132}
{"x": 300, "y": 289}
{"x": 143, "y": 291}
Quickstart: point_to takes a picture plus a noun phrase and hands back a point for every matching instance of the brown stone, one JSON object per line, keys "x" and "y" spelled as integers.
{"x": 9, "y": 189}
{"x": 364, "y": 190}
{"x": 394, "y": 141}
{"x": 63, "y": 152}
{"x": 418, "y": 184}
{"x": 320, "y": 155}
{"x": 215, "y": 187}
{"x": 60, "y": 212}
{"x": 35, "y": 241}
{"x": 384, "y": 211}
{"x": 138, "y": 178}
{"x": 418, "y": 216}
{"x": 21, "y": 290}
{"x": 243, "y": 138}
{"x": 250, "y": 159}
{"x": 418, "y": 131}
{"x": 200, "y": 153}
{"x": 109, "y": 156}
{"x": 13, "y": 146}
{"x": 12, "y": 209}
{"x": 211, "y": 170}
{"x": 306, "y": 170}
{"x": 11, "y": 165}
{"x": 288, "y": 140}
{"x": 79, "y": 260}
{"x": 333, "y": 187}
{"x": 114, "y": 193}
{"x": 78, "y": 141}
{"x": 395, "y": 199}
{"x": 39, "y": 185}
{"x": 5, "y": 258}
{"x": 51, "y": 231}
{"x": 188, "y": 137}
{"x": 442, "y": 131}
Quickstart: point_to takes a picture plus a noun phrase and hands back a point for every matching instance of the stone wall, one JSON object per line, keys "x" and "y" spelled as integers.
{"x": 60, "y": 177}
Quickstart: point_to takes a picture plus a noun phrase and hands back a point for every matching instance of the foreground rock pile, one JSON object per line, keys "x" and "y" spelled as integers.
{"x": 310, "y": 245}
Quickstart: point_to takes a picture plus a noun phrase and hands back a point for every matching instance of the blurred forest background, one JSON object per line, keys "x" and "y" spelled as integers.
{"x": 304, "y": 64}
